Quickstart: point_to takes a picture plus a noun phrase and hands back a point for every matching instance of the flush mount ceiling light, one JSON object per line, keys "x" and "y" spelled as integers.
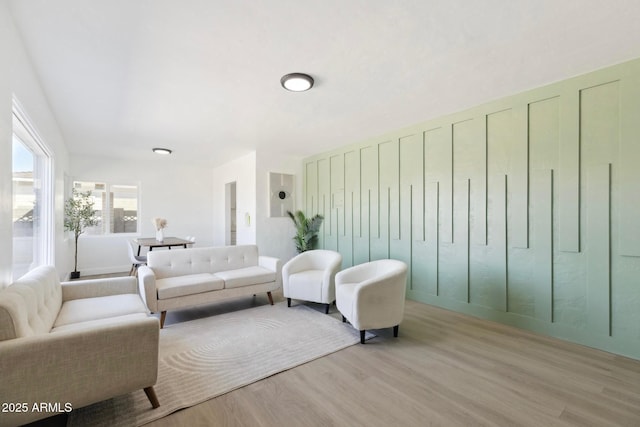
{"x": 163, "y": 151}
{"x": 297, "y": 82}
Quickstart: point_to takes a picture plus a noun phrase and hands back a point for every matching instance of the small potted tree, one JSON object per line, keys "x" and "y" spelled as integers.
{"x": 78, "y": 215}
{"x": 306, "y": 237}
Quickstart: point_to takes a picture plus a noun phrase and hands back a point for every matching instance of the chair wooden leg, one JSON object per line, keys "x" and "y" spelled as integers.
{"x": 326, "y": 308}
{"x": 270, "y": 298}
{"x": 163, "y": 315}
{"x": 362, "y": 337}
{"x": 151, "y": 395}
{"x": 288, "y": 302}
{"x": 395, "y": 330}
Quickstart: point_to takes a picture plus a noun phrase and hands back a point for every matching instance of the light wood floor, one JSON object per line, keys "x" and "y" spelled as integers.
{"x": 445, "y": 369}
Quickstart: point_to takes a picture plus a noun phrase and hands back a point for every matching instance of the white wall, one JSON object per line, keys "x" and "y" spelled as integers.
{"x": 251, "y": 174}
{"x": 181, "y": 193}
{"x": 242, "y": 171}
{"x": 18, "y": 78}
{"x": 275, "y": 235}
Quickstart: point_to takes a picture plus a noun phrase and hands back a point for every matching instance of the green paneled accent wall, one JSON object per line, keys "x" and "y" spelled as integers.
{"x": 525, "y": 210}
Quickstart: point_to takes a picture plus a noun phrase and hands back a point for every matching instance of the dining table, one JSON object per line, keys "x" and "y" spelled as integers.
{"x": 167, "y": 242}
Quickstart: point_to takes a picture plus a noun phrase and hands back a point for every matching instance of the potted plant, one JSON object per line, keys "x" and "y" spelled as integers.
{"x": 78, "y": 215}
{"x": 307, "y": 229}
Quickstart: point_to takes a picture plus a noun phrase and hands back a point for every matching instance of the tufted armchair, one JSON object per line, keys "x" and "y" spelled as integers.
{"x": 310, "y": 276}
{"x": 371, "y": 295}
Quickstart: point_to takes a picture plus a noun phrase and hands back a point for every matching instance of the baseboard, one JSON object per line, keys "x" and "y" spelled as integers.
{"x": 103, "y": 270}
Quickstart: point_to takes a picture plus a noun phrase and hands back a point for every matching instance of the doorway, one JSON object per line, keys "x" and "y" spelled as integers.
{"x": 230, "y": 213}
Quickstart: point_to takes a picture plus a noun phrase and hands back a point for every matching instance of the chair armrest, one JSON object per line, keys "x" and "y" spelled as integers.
{"x": 79, "y": 367}
{"x": 98, "y": 288}
{"x": 328, "y": 279}
{"x": 273, "y": 264}
{"x": 147, "y": 284}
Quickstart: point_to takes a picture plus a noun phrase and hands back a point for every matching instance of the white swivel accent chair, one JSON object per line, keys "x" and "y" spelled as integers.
{"x": 372, "y": 295}
{"x": 310, "y": 276}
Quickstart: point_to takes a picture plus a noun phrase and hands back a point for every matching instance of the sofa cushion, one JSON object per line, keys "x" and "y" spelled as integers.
{"x": 87, "y": 309}
{"x": 190, "y": 284}
{"x": 30, "y": 305}
{"x": 306, "y": 285}
{"x": 246, "y": 276}
{"x": 91, "y": 324}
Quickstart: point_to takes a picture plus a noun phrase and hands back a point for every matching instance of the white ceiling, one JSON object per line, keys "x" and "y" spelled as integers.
{"x": 202, "y": 77}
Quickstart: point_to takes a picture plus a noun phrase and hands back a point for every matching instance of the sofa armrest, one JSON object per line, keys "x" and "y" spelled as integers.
{"x": 79, "y": 367}
{"x": 148, "y": 291}
{"x": 98, "y": 288}
{"x": 273, "y": 264}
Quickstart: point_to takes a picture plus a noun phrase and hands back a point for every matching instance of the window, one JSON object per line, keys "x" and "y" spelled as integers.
{"x": 116, "y": 206}
{"x": 32, "y": 199}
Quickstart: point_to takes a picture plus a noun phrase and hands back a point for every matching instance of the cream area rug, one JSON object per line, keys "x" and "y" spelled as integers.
{"x": 205, "y": 358}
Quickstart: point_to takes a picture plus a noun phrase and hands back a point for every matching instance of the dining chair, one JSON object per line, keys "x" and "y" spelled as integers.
{"x": 136, "y": 260}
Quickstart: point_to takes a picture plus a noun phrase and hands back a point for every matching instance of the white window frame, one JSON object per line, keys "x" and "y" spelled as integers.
{"x": 23, "y": 128}
{"x": 107, "y": 208}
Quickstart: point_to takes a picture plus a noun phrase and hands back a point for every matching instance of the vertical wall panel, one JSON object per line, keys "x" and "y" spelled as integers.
{"x": 432, "y": 244}
{"x": 519, "y": 179}
{"x": 411, "y": 187}
{"x": 369, "y": 191}
{"x": 466, "y": 167}
{"x": 352, "y": 207}
{"x": 389, "y": 165}
{"x": 311, "y": 188}
{"x": 369, "y": 201}
{"x": 337, "y": 195}
{"x": 352, "y": 185}
{"x": 542, "y": 242}
{"x": 569, "y": 172}
{"x": 478, "y": 208}
{"x": 324, "y": 203}
{"x": 499, "y": 136}
{"x": 599, "y": 130}
{"x": 544, "y": 134}
{"x": 439, "y": 167}
{"x": 544, "y": 129}
{"x": 599, "y": 252}
{"x": 629, "y": 226}
{"x": 469, "y": 164}
{"x": 411, "y": 203}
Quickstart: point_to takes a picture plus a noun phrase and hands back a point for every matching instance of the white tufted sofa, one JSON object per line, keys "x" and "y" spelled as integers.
{"x": 181, "y": 278}
{"x": 73, "y": 343}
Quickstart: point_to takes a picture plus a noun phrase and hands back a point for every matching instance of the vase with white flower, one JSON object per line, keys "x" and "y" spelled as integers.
{"x": 160, "y": 224}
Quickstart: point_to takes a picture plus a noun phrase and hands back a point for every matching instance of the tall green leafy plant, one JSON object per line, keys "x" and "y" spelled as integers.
{"x": 78, "y": 215}
{"x": 306, "y": 237}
